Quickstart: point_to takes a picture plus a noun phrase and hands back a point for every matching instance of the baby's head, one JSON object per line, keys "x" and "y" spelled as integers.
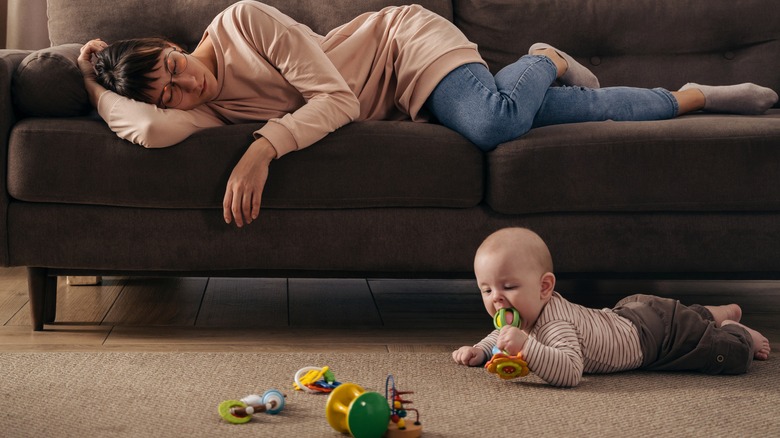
{"x": 514, "y": 268}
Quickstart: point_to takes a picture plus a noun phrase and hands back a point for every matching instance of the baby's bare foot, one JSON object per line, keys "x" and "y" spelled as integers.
{"x": 721, "y": 313}
{"x": 761, "y": 347}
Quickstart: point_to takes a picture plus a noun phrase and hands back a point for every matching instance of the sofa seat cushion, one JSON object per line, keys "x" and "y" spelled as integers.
{"x": 697, "y": 162}
{"x": 364, "y": 164}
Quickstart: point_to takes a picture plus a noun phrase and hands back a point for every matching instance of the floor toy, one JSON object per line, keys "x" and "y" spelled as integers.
{"x": 502, "y": 364}
{"x": 399, "y": 427}
{"x": 360, "y": 413}
{"x": 241, "y": 411}
{"x": 365, "y": 414}
{"x": 314, "y": 379}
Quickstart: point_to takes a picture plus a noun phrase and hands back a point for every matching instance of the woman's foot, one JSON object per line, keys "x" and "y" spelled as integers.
{"x": 727, "y": 312}
{"x": 761, "y": 347}
{"x": 574, "y": 73}
{"x": 747, "y": 98}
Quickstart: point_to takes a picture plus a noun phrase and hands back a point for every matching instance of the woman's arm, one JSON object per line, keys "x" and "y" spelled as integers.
{"x": 245, "y": 186}
{"x": 294, "y": 51}
{"x": 330, "y": 103}
{"x": 94, "y": 90}
{"x": 139, "y": 122}
{"x": 152, "y": 127}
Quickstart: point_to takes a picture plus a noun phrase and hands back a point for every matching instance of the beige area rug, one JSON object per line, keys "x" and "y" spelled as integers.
{"x": 176, "y": 395}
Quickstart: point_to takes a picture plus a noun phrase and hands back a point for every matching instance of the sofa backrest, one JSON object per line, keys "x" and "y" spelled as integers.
{"x": 183, "y": 21}
{"x": 646, "y": 43}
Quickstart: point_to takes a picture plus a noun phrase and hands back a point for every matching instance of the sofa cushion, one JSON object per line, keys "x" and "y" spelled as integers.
{"x": 364, "y": 164}
{"x": 643, "y": 43}
{"x": 48, "y": 83}
{"x": 697, "y": 162}
{"x": 184, "y": 21}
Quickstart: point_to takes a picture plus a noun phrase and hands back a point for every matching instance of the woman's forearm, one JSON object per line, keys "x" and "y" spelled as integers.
{"x": 94, "y": 90}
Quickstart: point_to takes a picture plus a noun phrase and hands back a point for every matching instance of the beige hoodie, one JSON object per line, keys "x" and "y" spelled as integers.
{"x": 381, "y": 65}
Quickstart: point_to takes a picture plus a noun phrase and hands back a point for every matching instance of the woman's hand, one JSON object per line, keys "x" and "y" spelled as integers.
{"x": 85, "y": 56}
{"x": 511, "y": 339}
{"x": 471, "y": 356}
{"x": 94, "y": 90}
{"x": 245, "y": 186}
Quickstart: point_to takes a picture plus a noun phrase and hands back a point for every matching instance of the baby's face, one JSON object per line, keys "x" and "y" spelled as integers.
{"x": 506, "y": 281}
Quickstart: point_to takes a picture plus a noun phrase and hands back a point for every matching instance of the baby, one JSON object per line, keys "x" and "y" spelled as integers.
{"x": 561, "y": 340}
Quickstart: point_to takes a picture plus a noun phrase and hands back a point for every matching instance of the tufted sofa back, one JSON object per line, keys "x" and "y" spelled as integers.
{"x": 183, "y": 21}
{"x": 645, "y": 43}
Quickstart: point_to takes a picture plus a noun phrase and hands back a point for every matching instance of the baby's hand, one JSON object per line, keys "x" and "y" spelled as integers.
{"x": 471, "y": 356}
{"x": 511, "y": 339}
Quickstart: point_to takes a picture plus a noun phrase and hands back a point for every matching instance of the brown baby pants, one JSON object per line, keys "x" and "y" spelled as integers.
{"x": 675, "y": 337}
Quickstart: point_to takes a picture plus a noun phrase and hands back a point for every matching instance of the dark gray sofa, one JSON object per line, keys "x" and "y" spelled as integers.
{"x": 696, "y": 196}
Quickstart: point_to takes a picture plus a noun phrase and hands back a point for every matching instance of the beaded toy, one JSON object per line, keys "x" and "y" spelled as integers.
{"x": 502, "y": 364}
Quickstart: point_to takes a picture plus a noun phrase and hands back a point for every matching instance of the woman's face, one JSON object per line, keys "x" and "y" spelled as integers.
{"x": 182, "y": 82}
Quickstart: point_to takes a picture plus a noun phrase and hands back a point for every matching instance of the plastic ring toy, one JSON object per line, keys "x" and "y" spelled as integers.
{"x": 241, "y": 411}
{"x": 224, "y": 410}
{"x": 499, "y": 319}
{"x": 301, "y": 372}
{"x": 507, "y": 367}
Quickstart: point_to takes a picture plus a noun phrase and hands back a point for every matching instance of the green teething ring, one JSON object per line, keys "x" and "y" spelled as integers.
{"x": 224, "y": 411}
{"x": 499, "y": 319}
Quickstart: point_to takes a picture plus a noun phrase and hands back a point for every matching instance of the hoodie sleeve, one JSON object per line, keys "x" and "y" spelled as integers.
{"x": 293, "y": 50}
{"x": 146, "y": 124}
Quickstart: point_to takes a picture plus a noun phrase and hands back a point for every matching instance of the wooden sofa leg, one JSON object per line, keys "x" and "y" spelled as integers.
{"x": 50, "y": 302}
{"x": 43, "y": 296}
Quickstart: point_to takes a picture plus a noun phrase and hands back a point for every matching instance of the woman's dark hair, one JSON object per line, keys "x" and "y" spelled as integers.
{"x": 124, "y": 67}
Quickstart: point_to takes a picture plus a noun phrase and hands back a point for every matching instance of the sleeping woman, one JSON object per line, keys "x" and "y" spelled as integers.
{"x": 254, "y": 63}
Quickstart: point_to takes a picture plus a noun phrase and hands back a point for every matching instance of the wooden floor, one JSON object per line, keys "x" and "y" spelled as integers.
{"x": 309, "y": 315}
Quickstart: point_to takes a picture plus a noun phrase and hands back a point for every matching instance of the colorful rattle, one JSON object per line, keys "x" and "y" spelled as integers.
{"x": 360, "y": 413}
{"x": 506, "y": 366}
{"x": 241, "y": 411}
{"x": 365, "y": 414}
{"x": 313, "y": 379}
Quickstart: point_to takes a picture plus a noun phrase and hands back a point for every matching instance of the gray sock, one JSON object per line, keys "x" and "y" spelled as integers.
{"x": 577, "y": 74}
{"x": 747, "y": 98}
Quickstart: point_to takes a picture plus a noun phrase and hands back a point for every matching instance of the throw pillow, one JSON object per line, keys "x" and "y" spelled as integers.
{"x": 48, "y": 83}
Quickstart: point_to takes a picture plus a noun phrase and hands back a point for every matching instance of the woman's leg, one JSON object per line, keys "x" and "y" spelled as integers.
{"x": 490, "y": 110}
{"x": 577, "y": 104}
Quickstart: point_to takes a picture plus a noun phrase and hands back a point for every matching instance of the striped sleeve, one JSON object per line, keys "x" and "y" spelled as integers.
{"x": 488, "y": 343}
{"x": 554, "y": 354}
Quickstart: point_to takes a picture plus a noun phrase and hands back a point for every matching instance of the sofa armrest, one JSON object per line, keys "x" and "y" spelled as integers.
{"x": 9, "y": 60}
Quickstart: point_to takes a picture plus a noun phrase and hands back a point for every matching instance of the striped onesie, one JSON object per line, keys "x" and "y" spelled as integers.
{"x": 569, "y": 340}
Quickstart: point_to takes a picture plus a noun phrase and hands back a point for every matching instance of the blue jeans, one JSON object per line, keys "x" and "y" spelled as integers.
{"x": 490, "y": 110}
